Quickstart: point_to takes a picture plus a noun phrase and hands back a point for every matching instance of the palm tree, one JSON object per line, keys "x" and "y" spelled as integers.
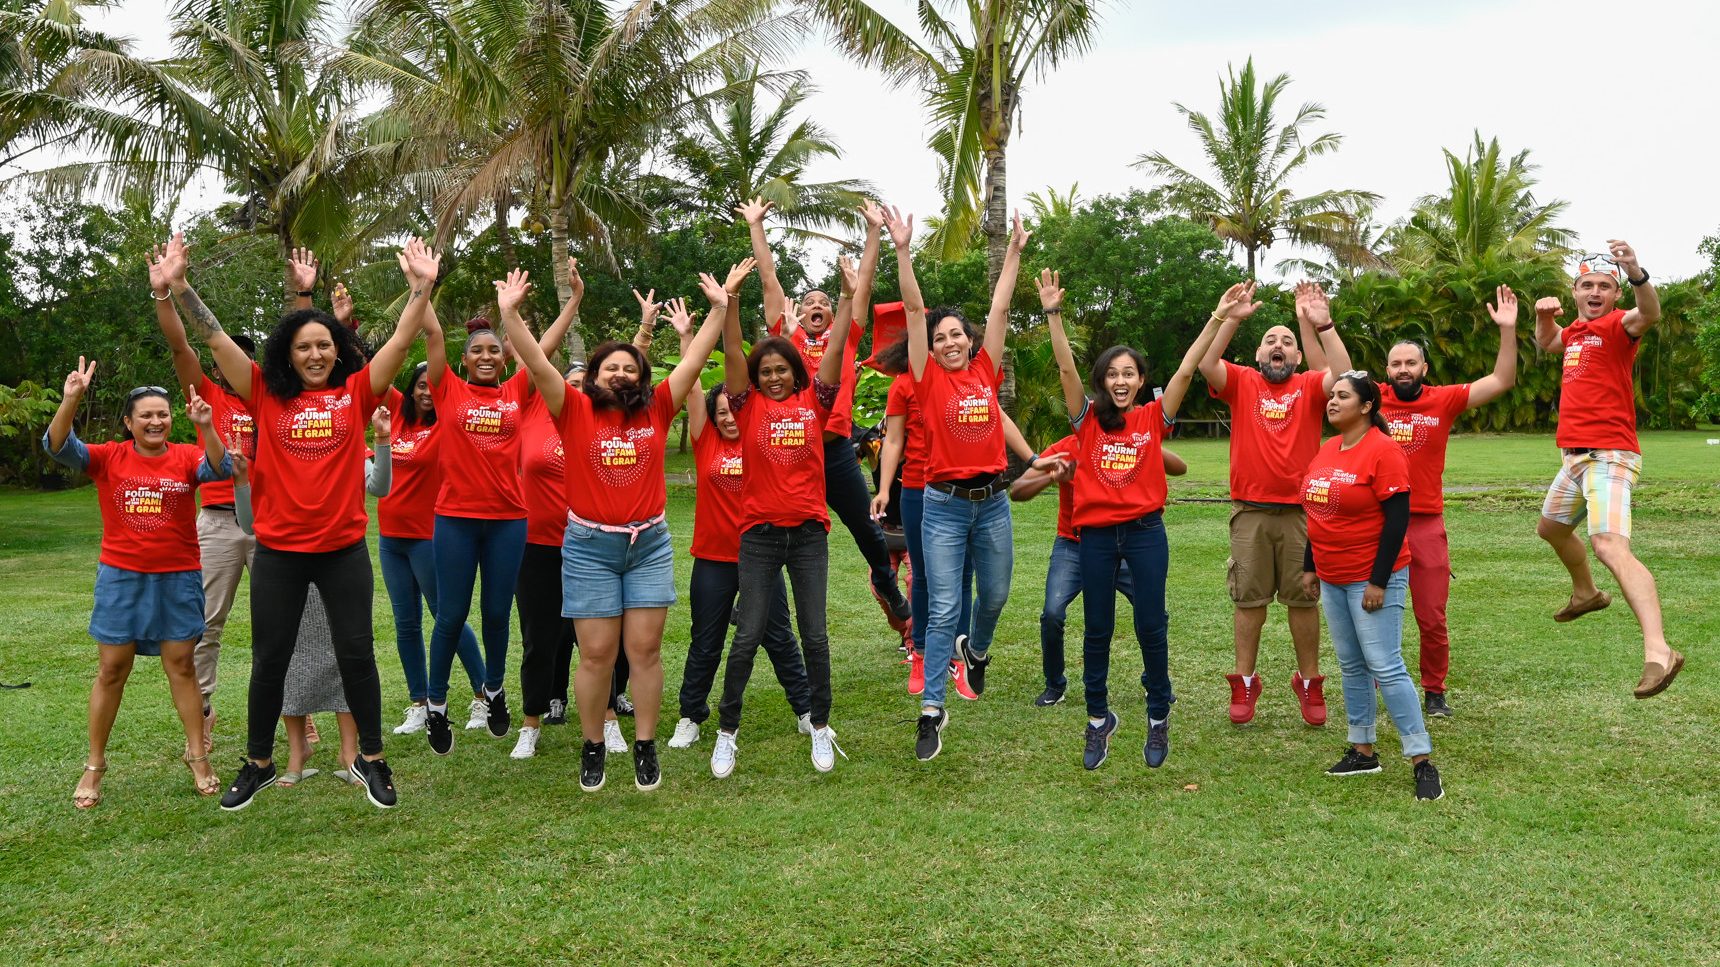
{"x": 1489, "y": 213}
{"x": 974, "y": 67}
{"x": 740, "y": 146}
{"x": 536, "y": 99}
{"x": 1250, "y": 202}
{"x": 42, "y": 104}
{"x": 1052, "y": 205}
{"x": 1354, "y": 252}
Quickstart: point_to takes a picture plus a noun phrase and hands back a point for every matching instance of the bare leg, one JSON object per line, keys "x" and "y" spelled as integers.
{"x": 599, "y": 640}
{"x": 1574, "y": 556}
{"x": 1638, "y": 586}
{"x": 105, "y": 696}
{"x": 1248, "y": 623}
{"x": 298, "y": 750}
{"x": 1305, "y": 633}
{"x": 181, "y": 672}
{"x": 644, "y": 642}
{"x": 348, "y": 738}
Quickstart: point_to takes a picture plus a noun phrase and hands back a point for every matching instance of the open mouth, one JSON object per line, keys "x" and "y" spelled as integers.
{"x": 1121, "y": 394}
{"x": 1277, "y": 357}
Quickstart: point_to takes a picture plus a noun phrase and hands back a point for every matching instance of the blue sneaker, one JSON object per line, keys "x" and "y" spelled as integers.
{"x": 1099, "y": 742}
{"x": 1158, "y": 743}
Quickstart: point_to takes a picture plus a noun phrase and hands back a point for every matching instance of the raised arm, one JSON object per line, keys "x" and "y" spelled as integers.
{"x": 754, "y": 212}
{"x": 557, "y": 331}
{"x": 1234, "y": 307}
{"x": 685, "y": 376}
{"x": 510, "y": 293}
{"x": 1212, "y": 362}
{"x": 420, "y": 265}
{"x": 1051, "y": 300}
{"x": 874, "y": 217}
{"x": 734, "y": 351}
{"x": 187, "y": 368}
{"x": 649, "y": 310}
{"x": 1647, "y": 312}
{"x": 682, "y": 320}
{"x": 1319, "y": 311}
{"x": 835, "y": 351}
{"x": 202, "y": 416}
{"x": 1504, "y": 376}
{"x": 997, "y": 319}
{"x": 889, "y": 460}
{"x": 379, "y": 470}
{"x": 232, "y": 361}
{"x": 913, "y": 304}
{"x": 302, "y": 277}
{"x": 1313, "y": 353}
{"x": 77, "y": 384}
{"x": 1549, "y": 335}
{"x": 340, "y": 302}
{"x": 845, "y": 297}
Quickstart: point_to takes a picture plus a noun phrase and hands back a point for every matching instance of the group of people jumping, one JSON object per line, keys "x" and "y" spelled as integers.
{"x": 547, "y": 488}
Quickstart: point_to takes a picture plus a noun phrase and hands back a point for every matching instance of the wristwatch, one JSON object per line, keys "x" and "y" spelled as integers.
{"x": 1638, "y": 282}
{"x": 306, "y": 293}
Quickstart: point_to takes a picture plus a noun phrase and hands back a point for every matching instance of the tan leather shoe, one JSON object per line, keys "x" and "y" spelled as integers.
{"x": 1655, "y": 677}
{"x": 1575, "y": 609}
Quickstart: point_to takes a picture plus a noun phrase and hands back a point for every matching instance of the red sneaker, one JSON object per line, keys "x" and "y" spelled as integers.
{"x": 916, "y": 673}
{"x": 1243, "y": 697}
{"x": 1310, "y": 694}
{"x": 959, "y": 681}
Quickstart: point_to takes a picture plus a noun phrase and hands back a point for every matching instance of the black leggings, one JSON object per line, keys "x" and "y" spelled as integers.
{"x": 847, "y": 493}
{"x": 547, "y": 638}
{"x": 713, "y": 590}
{"x": 279, "y": 583}
{"x": 766, "y": 551}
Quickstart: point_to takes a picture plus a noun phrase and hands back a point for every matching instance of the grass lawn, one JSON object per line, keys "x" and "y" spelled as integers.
{"x": 1579, "y": 824}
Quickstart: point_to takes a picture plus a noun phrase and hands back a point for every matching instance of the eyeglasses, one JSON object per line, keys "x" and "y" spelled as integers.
{"x": 146, "y": 391}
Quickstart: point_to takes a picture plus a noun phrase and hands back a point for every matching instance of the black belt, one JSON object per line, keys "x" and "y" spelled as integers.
{"x": 226, "y": 507}
{"x": 1578, "y": 451}
{"x": 986, "y": 492}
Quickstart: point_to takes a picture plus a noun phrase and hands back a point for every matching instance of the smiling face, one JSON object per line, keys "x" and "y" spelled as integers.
{"x": 1278, "y": 355}
{"x": 951, "y": 345}
{"x": 775, "y": 376}
{"x": 726, "y": 425}
{"x": 1406, "y": 367}
{"x": 421, "y": 398}
{"x": 1122, "y": 381}
{"x": 1345, "y": 409}
{"x": 484, "y": 358}
{"x": 313, "y": 354}
{"x": 816, "y": 313}
{"x": 1596, "y": 294}
{"x": 150, "y": 420}
{"x": 617, "y": 371}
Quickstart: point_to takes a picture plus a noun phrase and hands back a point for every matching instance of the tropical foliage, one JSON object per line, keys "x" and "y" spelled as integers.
{"x": 1487, "y": 215}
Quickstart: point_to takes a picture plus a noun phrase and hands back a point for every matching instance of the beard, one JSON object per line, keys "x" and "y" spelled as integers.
{"x": 1406, "y": 392}
{"x": 632, "y": 397}
{"x": 1279, "y": 372}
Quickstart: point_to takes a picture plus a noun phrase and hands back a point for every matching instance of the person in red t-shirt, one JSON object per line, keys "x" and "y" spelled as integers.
{"x": 844, "y": 482}
{"x": 1419, "y": 418}
{"x": 1274, "y": 430}
{"x": 1357, "y": 495}
{"x": 781, "y": 412}
{"x": 148, "y": 592}
{"x": 1597, "y": 432}
{"x": 310, "y": 399}
{"x": 1119, "y": 498}
{"x": 617, "y": 560}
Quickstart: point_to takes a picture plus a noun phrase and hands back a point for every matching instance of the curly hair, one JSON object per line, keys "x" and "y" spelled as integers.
{"x": 1104, "y": 410}
{"x": 629, "y": 400}
{"x": 281, "y": 380}
{"x": 781, "y": 347}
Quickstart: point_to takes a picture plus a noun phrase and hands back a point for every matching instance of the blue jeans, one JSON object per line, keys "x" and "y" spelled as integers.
{"x": 913, "y": 506}
{"x": 1142, "y": 546}
{"x": 956, "y": 533}
{"x": 1062, "y": 587}
{"x": 409, "y": 573}
{"x": 1369, "y": 646}
{"x": 463, "y": 546}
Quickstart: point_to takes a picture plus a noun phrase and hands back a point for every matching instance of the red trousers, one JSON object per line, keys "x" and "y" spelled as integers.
{"x": 1429, "y": 589}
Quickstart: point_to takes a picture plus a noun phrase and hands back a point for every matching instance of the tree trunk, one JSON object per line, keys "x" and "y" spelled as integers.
{"x": 289, "y": 295}
{"x": 1250, "y": 250}
{"x": 574, "y": 344}
{"x": 504, "y": 234}
{"x": 996, "y": 228}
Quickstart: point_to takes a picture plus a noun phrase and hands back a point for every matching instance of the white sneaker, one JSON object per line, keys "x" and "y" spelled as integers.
{"x": 480, "y": 718}
{"x": 824, "y": 749}
{"x": 526, "y": 747}
{"x": 686, "y": 733}
{"x": 612, "y": 738}
{"x": 806, "y": 724}
{"x": 416, "y": 716}
{"x": 723, "y": 756}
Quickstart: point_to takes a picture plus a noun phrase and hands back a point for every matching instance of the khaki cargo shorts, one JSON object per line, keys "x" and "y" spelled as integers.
{"x": 1266, "y": 547}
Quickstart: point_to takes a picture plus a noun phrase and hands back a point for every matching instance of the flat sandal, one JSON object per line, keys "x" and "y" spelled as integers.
{"x": 88, "y": 800}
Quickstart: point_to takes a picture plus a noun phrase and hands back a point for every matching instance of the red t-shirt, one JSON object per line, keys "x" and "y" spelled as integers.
{"x": 542, "y": 473}
{"x": 1342, "y": 494}
{"x": 149, "y": 520}
{"x": 717, "y": 510}
{"x": 1597, "y": 406}
{"x": 903, "y": 403}
{"x": 783, "y": 444}
{"x": 231, "y": 420}
{"x": 481, "y": 453}
{"x": 1423, "y": 427}
{"x": 307, "y": 483}
{"x": 1066, "y": 448}
{"x": 409, "y": 510}
{"x": 841, "y": 420}
{"x": 614, "y": 472}
{"x": 1119, "y": 476}
{"x": 964, "y": 423}
{"x": 1274, "y": 431}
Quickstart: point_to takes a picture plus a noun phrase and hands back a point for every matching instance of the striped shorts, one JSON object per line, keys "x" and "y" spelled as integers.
{"x": 1595, "y": 485}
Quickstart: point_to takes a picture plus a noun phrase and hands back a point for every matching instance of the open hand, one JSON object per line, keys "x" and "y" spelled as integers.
{"x": 755, "y": 210}
{"x": 901, "y": 228}
{"x": 873, "y": 215}
{"x": 172, "y": 260}
{"x": 1312, "y": 305}
{"x": 302, "y": 269}
{"x": 1504, "y": 309}
{"x": 790, "y": 315}
{"x": 1050, "y": 289}
{"x": 850, "y": 275}
{"x": 420, "y": 263}
{"x": 679, "y": 317}
{"x": 714, "y": 293}
{"x": 1018, "y": 236}
{"x": 1237, "y": 303}
{"x": 575, "y": 281}
{"x": 342, "y": 305}
{"x": 738, "y": 274}
{"x": 511, "y": 292}
{"x": 159, "y": 269}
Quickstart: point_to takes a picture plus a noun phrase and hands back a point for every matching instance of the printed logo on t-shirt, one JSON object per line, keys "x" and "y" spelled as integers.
{"x": 784, "y": 436}
{"x": 313, "y": 427}
{"x": 236, "y": 422}
{"x": 619, "y": 454}
{"x": 1274, "y": 412}
{"x": 1117, "y": 459}
{"x": 812, "y": 350}
{"x": 1322, "y": 494}
{"x": 1410, "y": 430}
{"x": 969, "y": 414}
{"x": 406, "y": 447}
{"x": 553, "y": 457}
{"x": 726, "y": 471}
{"x": 488, "y": 423}
{"x": 148, "y": 503}
{"x": 1578, "y": 351}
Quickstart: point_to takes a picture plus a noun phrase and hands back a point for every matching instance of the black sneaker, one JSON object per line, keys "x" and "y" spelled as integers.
{"x": 591, "y": 758}
{"x": 500, "y": 719}
{"x": 1099, "y": 742}
{"x": 1355, "y": 764}
{"x": 1427, "y": 785}
{"x": 1435, "y": 706}
{"x": 1158, "y": 743}
{"x": 378, "y": 781}
{"x": 1049, "y": 697}
{"x": 251, "y": 780}
{"x": 622, "y": 705}
{"x": 976, "y": 663}
{"x": 931, "y": 736}
{"x": 437, "y": 731}
{"x": 646, "y": 775}
{"x": 557, "y": 713}
{"x": 886, "y": 589}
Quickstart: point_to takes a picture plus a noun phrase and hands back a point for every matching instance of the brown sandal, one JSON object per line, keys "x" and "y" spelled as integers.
{"x": 88, "y": 800}
{"x": 207, "y": 786}
{"x": 1575, "y": 609}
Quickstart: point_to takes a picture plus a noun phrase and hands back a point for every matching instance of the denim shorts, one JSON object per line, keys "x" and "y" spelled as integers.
{"x": 604, "y": 574}
{"x": 147, "y": 609}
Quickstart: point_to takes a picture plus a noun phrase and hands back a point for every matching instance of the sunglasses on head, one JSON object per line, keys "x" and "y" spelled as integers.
{"x": 147, "y": 391}
{"x": 1353, "y": 374}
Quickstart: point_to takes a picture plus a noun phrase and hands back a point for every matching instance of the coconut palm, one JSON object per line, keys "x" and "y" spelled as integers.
{"x": 1249, "y": 202}
{"x": 1355, "y": 251}
{"x": 1050, "y": 204}
{"x": 1488, "y": 213}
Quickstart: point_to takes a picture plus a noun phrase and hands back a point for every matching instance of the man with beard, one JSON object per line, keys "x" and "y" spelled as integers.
{"x": 1275, "y": 420}
{"x": 1420, "y": 418}
{"x": 1602, "y": 459}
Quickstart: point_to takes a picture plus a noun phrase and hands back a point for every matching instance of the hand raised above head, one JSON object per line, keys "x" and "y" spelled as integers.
{"x": 302, "y": 269}
{"x": 1504, "y": 307}
{"x": 511, "y": 291}
{"x": 1237, "y": 303}
{"x": 78, "y": 380}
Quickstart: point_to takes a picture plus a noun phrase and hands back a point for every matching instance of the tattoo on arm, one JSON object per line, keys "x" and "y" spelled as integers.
{"x": 204, "y": 320}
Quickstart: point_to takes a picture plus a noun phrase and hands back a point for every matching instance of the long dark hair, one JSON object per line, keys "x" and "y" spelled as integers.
{"x": 630, "y": 400}
{"x": 1104, "y": 410}
{"x": 893, "y": 359}
{"x": 279, "y": 377}
{"x": 408, "y": 417}
{"x": 781, "y": 347}
{"x": 939, "y": 314}
{"x": 1368, "y": 392}
{"x": 141, "y": 393}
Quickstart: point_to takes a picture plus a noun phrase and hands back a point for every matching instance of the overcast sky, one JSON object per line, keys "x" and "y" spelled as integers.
{"x": 1613, "y": 100}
